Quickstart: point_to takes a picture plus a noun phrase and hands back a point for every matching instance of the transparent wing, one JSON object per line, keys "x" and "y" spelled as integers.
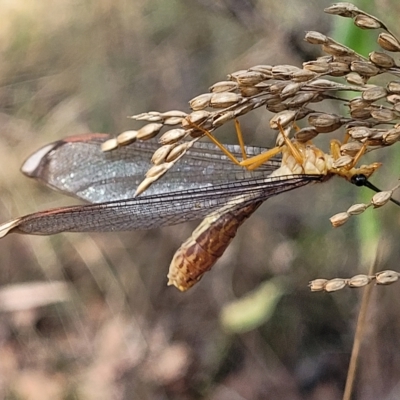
{"x": 156, "y": 210}
{"x": 77, "y": 166}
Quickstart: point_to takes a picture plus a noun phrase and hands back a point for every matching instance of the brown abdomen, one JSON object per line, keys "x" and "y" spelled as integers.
{"x": 206, "y": 244}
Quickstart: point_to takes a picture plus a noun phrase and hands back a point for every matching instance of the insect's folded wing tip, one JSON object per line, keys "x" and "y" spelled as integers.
{"x": 32, "y": 164}
{"x": 7, "y": 227}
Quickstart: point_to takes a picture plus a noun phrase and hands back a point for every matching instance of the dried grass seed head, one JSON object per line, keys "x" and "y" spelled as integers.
{"x": 358, "y": 281}
{"x": 388, "y": 42}
{"x": 149, "y": 131}
{"x": 172, "y": 136}
{"x": 386, "y": 277}
{"x": 224, "y": 86}
{"x": 381, "y": 60}
{"x": 109, "y": 145}
{"x": 374, "y": 93}
{"x": 335, "y": 284}
{"x": 127, "y": 137}
{"x": 339, "y": 219}
{"x": 160, "y": 155}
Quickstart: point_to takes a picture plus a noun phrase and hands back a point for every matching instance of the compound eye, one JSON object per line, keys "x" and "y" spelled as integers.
{"x": 359, "y": 179}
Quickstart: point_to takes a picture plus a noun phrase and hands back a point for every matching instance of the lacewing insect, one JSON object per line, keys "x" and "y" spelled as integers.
{"x": 204, "y": 184}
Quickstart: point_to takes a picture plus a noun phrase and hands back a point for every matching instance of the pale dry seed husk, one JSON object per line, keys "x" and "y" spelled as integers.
{"x": 360, "y": 114}
{"x": 151, "y": 116}
{"x": 195, "y": 118}
{"x": 250, "y": 78}
{"x": 314, "y": 37}
{"x": 336, "y": 49}
{"x": 109, "y": 145}
{"x": 277, "y": 108}
{"x": 145, "y": 184}
{"x": 391, "y": 136}
{"x": 383, "y": 115}
{"x": 335, "y": 284}
{"x": 264, "y": 86}
{"x": 172, "y": 136}
{"x": 306, "y": 134}
{"x": 284, "y": 71}
{"x": 381, "y": 198}
{"x": 200, "y": 102}
{"x": 290, "y": 89}
{"x": 178, "y": 151}
{"x": 343, "y": 161}
{"x": 264, "y": 69}
{"x": 225, "y": 99}
{"x": 249, "y": 91}
{"x": 358, "y": 103}
{"x": 149, "y": 131}
{"x": 277, "y": 87}
{"x": 388, "y": 42}
{"x": 367, "y": 22}
{"x": 300, "y": 99}
{"x": 393, "y": 87}
{"x": 382, "y": 60}
{"x": 359, "y": 132}
{"x": 317, "y": 67}
{"x": 351, "y": 148}
{"x": 386, "y": 277}
{"x": 358, "y": 281}
{"x": 324, "y": 123}
{"x": 357, "y": 209}
{"x": 282, "y": 119}
{"x": 233, "y": 75}
{"x": 325, "y": 84}
{"x": 355, "y": 79}
{"x": 365, "y": 68}
{"x": 157, "y": 170}
{"x": 303, "y": 75}
{"x": 374, "y": 93}
{"x": 126, "y": 137}
{"x": 317, "y": 285}
{"x": 273, "y": 100}
{"x": 339, "y": 68}
{"x": 339, "y": 219}
{"x": 223, "y": 86}
{"x": 171, "y": 121}
{"x": 343, "y": 9}
{"x": 160, "y": 155}
{"x": 173, "y": 113}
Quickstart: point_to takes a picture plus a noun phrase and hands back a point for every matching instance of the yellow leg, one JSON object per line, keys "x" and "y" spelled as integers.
{"x": 335, "y": 151}
{"x": 253, "y": 163}
{"x": 218, "y": 143}
{"x": 239, "y": 135}
{"x": 360, "y": 153}
{"x": 295, "y": 152}
{"x": 256, "y": 161}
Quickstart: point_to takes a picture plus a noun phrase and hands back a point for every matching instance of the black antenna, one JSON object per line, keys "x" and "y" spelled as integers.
{"x": 362, "y": 180}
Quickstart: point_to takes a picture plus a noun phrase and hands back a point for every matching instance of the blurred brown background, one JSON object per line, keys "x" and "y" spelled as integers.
{"x": 94, "y": 318}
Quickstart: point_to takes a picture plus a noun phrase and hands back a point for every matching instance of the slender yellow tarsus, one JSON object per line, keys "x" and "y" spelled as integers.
{"x": 360, "y": 153}
{"x": 217, "y": 143}
{"x": 239, "y": 135}
{"x": 254, "y": 162}
{"x": 295, "y": 153}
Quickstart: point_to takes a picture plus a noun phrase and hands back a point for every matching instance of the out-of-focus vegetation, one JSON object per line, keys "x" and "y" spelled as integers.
{"x": 94, "y": 318}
